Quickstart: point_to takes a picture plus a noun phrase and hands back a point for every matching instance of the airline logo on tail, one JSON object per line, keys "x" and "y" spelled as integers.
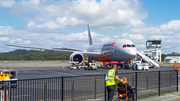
{"x": 112, "y": 44}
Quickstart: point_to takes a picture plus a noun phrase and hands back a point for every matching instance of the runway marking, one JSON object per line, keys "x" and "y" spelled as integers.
{"x": 57, "y": 72}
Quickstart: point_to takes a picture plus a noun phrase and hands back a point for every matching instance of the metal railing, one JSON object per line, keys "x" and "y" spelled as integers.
{"x": 82, "y": 88}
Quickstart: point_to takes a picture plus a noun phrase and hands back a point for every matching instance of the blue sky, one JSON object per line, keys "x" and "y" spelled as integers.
{"x": 63, "y": 23}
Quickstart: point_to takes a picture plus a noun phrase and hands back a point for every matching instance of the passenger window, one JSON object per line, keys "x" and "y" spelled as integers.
{"x": 124, "y": 46}
{"x": 128, "y": 45}
{"x": 133, "y": 46}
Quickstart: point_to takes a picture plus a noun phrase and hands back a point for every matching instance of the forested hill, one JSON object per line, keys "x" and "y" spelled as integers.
{"x": 23, "y": 54}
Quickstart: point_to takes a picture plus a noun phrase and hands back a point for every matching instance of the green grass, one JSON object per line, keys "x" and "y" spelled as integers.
{"x": 169, "y": 64}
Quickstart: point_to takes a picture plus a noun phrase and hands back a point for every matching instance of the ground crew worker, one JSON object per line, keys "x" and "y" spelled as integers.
{"x": 101, "y": 64}
{"x": 111, "y": 81}
{"x": 90, "y": 64}
{"x": 95, "y": 63}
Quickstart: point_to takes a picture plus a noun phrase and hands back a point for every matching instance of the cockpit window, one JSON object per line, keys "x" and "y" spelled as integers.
{"x": 124, "y": 46}
{"x": 128, "y": 45}
{"x": 133, "y": 46}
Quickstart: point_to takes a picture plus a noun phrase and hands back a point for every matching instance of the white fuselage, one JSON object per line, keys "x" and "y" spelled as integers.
{"x": 116, "y": 50}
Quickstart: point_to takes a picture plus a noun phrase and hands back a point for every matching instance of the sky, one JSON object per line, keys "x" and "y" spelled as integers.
{"x": 63, "y": 23}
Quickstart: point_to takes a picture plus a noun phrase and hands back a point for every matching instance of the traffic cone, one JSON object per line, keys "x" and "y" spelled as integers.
{"x": 63, "y": 67}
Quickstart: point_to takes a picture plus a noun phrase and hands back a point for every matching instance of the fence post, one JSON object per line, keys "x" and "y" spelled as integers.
{"x": 72, "y": 91}
{"x": 45, "y": 91}
{"x": 136, "y": 84}
{"x": 147, "y": 82}
{"x": 10, "y": 86}
{"x": 62, "y": 87}
{"x": 104, "y": 88}
{"x": 5, "y": 92}
{"x": 159, "y": 83}
{"x": 170, "y": 80}
{"x": 133, "y": 81}
{"x": 177, "y": 80}
{"x": 95, "y": 90}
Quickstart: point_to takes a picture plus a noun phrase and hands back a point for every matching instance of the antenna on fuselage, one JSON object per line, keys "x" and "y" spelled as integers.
{"x": 89, "y": 35}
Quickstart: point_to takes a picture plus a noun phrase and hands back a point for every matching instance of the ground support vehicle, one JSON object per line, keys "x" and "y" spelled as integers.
{"x": 8, "y": 80}
{"x": 138, "y": 65}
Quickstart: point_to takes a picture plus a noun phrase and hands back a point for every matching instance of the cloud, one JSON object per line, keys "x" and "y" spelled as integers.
{"x": 4, "y": 38}
{"x": 134, "y": 37}
{"x": 78, "y": 40}
{"x": 4, "y": 30}
{"x": 48, "y": 25}
{"x": 63, "y": 14}
{"x": 49, "y": 39}
{"x": 7, "y": 3}
{"x": 169, "y": 28}
{"x": 173, "y": 25}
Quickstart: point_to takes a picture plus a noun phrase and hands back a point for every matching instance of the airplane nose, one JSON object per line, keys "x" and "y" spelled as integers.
{"x": 132, "y": 53}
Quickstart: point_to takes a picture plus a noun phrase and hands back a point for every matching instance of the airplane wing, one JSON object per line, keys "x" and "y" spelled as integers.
{"x": 63, "y": 50}
{"x": 157, "y": 49}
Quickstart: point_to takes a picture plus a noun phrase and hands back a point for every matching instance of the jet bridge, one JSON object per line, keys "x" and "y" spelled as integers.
{"x": 147, "y": 59}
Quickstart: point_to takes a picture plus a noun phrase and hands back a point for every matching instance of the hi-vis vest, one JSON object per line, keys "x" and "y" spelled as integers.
{"x": 111, "y": 80}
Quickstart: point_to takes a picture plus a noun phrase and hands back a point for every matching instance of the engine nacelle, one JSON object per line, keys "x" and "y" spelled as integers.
{"x": 76, "y": 58}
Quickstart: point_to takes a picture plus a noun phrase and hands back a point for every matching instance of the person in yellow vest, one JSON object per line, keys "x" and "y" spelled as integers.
{"x": 90, "y": 64}
{"x": 111, "y": 80}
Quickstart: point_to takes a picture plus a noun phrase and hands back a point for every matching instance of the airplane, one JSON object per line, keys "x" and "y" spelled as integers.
{"x": 114, "y": 50}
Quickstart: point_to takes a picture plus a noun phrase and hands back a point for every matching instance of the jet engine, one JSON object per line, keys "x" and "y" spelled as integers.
{"x": 76, "y": 58}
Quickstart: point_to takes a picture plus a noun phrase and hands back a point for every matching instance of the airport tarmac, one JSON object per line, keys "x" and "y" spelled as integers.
{"x": 46, "y": 69}
{"x": 38, "y": 69}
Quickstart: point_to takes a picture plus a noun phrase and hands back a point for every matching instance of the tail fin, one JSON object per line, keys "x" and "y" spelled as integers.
{"x": 89, "y": 35}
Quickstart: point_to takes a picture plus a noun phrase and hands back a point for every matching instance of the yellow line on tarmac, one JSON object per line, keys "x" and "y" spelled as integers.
{"x": 172, "y": 95}
{"x": 57, "y": 72}
{"x": 160, "y": 92}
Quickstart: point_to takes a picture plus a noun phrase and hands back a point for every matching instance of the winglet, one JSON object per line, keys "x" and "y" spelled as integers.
{"x": 89, "y": 35}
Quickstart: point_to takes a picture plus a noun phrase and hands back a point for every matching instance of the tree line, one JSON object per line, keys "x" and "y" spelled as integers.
{"x": 23, "y": 54}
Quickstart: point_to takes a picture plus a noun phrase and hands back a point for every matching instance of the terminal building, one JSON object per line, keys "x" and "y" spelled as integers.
{"x": 172, "y": 59}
